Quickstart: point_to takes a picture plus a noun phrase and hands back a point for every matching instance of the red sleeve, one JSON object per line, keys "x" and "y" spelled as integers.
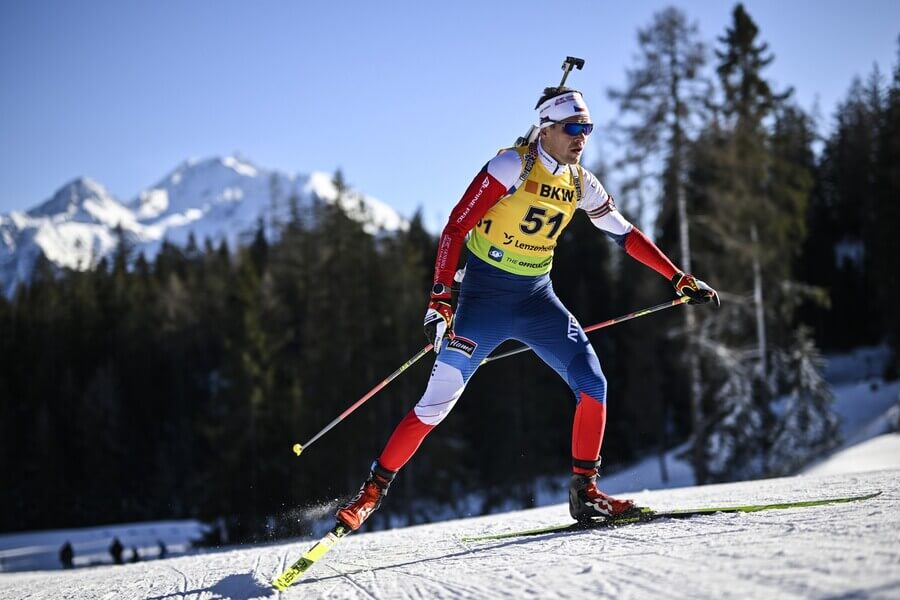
{"x": 639, "y": 247}
{"x": 484, "y": 191}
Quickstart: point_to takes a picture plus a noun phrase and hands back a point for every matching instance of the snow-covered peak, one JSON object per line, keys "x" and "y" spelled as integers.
{"x": 322, "y": 185}
{"x": 200, "y": 185}
{"x": 219, "y": 198}
{"x": 240, "y": 166}
{"x": 373, "y": 213}
{"x": 83, "y": 200}
{"x": 213, "y": 168}
{"x": 69, "y": 198}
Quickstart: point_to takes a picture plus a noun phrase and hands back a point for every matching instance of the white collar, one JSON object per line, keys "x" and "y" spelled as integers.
{"x": 551, "y": 164}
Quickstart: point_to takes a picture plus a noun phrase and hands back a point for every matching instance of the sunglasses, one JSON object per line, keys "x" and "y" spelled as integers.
{"x": 576, "y": 129}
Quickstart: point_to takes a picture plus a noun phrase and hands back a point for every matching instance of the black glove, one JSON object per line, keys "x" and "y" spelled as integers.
{"x": 693, "y": 288}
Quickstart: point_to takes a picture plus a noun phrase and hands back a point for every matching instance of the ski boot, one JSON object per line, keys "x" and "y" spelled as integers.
{"x": 586, "y": 502}
{"x": 354, "y": 513}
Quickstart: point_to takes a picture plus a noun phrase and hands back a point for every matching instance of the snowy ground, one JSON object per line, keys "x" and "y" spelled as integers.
{"x": 38, "y": 550}
{"x": 866, "y": 405}
{"x": 832, "y": 551}
{"x": 844, "y": 550}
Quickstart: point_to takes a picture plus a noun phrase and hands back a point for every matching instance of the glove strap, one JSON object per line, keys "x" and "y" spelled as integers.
{"x": 682, "y": 280}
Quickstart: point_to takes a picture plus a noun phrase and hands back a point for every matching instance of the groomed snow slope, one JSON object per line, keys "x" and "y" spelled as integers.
{"x": 822, "y": 552}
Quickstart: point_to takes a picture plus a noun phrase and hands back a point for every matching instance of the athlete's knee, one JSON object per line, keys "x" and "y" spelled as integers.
{"x": 585, "y": 375}
{"x": 445, "y": 387}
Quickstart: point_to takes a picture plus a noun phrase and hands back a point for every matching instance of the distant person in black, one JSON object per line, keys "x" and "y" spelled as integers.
{"x": 134, "y": 555}
{"x": 67, "y": 555}
{"x": 163, "y": 551}
{"x": 115, "y": 550}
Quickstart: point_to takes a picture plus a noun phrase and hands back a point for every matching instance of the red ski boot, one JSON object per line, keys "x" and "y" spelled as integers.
{"x": 354, "y": 513}
{"x": 586, "y": 502}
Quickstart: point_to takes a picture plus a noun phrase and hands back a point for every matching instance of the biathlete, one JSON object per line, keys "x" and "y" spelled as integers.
{"x": 514, "y": 212}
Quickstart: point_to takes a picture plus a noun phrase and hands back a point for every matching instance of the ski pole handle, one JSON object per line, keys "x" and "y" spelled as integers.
{"x": 298, "y": 448}
{"x": 596, "y": 326}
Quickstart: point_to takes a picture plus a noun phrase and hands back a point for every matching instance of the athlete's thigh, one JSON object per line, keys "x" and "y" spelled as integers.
{"x": 554, "y": 334}
{"x": 479, "y": 326}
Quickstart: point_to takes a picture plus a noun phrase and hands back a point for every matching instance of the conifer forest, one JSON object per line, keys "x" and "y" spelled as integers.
{"x": 175, "y": 387}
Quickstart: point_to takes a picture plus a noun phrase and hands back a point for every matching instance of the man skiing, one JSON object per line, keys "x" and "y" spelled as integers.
{"x": 513, "y": 213}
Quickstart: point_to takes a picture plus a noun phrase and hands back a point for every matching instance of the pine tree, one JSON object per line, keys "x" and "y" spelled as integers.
{"x": 743, "y": 201}
{"x": 841, "y": 221}
{"x": 9, "y": 414}
{"x": 885, "y": 217}
{"x": 734, "y": 443}
{"x": 807, "y": 427}
{"x": 754, "y": 180}
{"x": 666, "y": 94}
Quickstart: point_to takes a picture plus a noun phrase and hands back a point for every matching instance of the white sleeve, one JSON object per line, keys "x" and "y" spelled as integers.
{"x": 601, "y": 208}
{"x": 506, "y": 167}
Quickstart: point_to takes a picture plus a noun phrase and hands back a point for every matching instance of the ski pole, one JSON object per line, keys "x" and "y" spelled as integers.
{"x": 298, "y": 448}
{"x": 595, "y": 327}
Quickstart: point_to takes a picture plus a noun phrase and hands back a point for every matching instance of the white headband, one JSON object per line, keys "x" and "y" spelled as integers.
{"x": 559, "y": 108}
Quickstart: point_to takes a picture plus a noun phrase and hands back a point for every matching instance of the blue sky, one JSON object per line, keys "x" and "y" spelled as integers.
{"x": 408, "y": 98}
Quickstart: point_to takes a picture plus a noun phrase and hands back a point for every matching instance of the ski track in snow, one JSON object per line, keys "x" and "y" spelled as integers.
{"x": 840, "y": 550}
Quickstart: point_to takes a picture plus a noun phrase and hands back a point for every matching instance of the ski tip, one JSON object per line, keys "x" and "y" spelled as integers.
{"x": 298, "y": 448}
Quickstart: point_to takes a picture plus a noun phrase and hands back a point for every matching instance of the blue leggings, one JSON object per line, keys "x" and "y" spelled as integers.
{"x": 495, "y": 306}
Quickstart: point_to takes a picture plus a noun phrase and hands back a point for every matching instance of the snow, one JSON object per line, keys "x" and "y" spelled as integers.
{"x": 866, "y": 405}
{"x": 373, "y": 212}
{"x": 75, "y": 245}
{"x": 867, "y": 362}
{"x": 222, "y": 199}
{"x": 881, "y": 452}
{"x": 243, "y": 168}
{"x": 840, "y": 550}
{"x": 40, "y": 549}
{"x": 647, "y": 474}
{"x": 829, "y": 551}
{"x": 151, "y": 203}
{"x": 849, "y": 251}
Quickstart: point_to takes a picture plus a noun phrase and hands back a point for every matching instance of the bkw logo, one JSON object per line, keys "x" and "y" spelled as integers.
{"x": 555, "y": 193}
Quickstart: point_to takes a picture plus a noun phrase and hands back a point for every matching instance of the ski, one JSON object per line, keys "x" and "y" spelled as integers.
{"x": 309, "y": 558}
{"x": 645, "y": 515}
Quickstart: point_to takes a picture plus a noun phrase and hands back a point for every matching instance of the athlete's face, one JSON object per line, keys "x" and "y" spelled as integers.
{"x": 565, "y": 148}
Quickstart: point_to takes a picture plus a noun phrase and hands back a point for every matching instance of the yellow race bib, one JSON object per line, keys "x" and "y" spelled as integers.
{"x": 519, "y": 233}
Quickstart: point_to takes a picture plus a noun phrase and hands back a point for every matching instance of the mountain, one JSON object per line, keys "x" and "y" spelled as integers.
{"x": 217, "y": 198}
